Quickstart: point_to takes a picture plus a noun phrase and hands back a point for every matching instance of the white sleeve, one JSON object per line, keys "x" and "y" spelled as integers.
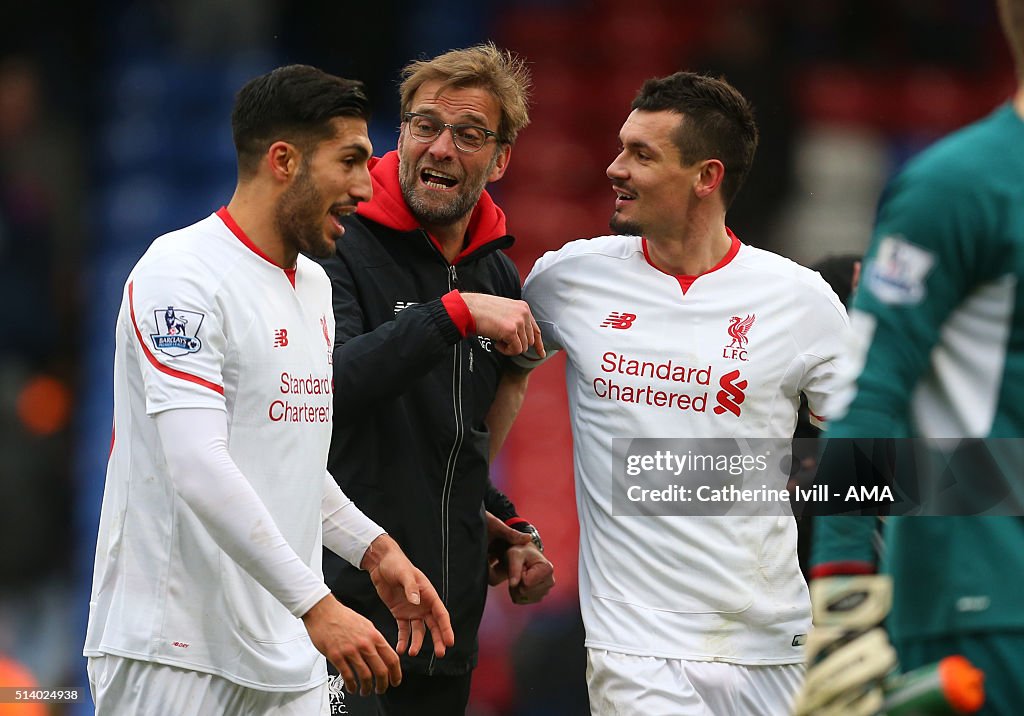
{"x": 177, "y": 327}
{"x": 347, "y": 531}
{"x": 540, "y": 292}
{"x": 826, "y": 356}
{"x": 207, "y": 479}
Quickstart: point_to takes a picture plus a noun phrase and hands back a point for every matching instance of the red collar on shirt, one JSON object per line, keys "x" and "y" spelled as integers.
{"x": 229, "y": 221}
{"x": 685, "y": 280}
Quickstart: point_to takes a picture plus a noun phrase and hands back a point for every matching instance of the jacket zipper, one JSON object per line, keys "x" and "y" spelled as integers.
{"x": 449, "y": 472}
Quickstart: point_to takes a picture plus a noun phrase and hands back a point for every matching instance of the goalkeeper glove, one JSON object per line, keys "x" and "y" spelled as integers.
{"x": 848, "y": 652}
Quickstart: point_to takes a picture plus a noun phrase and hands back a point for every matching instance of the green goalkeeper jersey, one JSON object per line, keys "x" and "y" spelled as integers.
{"x": 940, "y": 311}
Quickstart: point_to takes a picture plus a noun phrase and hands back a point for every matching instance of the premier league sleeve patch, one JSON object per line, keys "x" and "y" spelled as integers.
{"x": 898, "y": 272}
{"x": 178, "y": 331}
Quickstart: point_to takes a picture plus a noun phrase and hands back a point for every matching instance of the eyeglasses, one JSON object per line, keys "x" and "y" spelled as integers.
{"x": 467, "y": 137}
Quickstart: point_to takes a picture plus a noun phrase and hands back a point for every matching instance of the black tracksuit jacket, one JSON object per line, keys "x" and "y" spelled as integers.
{"x": 410, "y": 446}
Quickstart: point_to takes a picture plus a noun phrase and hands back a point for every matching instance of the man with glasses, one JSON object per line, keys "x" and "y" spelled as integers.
{"x": 427, "y": 309}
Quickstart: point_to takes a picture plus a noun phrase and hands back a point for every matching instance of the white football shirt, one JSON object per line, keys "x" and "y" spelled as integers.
{"x": 651, "y": 355}
{"x": 207, "y": 321}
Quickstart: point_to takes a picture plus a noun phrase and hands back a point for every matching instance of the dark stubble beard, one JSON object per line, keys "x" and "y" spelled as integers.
{"x": 625, "y": 226}
{"x": 299, "y": 219}
{"x": 461, "y": 203}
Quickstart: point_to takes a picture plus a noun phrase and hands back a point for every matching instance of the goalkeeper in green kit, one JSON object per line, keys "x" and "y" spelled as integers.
{"x": 940, "y": 314}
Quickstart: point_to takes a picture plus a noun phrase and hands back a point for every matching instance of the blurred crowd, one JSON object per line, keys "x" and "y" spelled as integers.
{"x": 41, "y": 239}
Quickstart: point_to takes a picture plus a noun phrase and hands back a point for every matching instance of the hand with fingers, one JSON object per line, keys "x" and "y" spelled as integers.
{"x": 360, "y": 653}
{"x": 410, "y": 597}
{"x": 518, "y": 557}
{"x": 500, "y": 537}
{"x": 506, "y": 321}
{"x": 530, "y": 575}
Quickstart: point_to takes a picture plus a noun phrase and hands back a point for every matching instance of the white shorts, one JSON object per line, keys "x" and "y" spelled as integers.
{"x": 630, "y": 685}
{"x": 142, "y": 688}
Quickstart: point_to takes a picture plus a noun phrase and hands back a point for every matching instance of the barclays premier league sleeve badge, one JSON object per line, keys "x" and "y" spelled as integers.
{"x": 180, "y": 331}
{"x": 897, "y": 274}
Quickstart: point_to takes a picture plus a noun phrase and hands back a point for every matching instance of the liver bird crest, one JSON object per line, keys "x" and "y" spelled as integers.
{"x": 738, "y": 329}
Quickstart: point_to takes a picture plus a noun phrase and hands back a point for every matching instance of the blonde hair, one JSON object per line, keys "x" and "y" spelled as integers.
{"x": 500, "y": 72}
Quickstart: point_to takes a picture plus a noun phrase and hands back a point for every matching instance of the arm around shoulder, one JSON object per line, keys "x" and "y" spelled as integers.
{"x": 379, "y": 351}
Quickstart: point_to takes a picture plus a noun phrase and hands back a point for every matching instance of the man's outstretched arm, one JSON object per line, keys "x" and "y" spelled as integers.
{"x": 516, "y": 552}
{"x": 207, "y": 479}
{"x": 405, "y": 590}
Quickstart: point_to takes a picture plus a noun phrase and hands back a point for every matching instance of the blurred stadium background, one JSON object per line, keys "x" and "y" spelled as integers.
{"x": 114, "y": 129}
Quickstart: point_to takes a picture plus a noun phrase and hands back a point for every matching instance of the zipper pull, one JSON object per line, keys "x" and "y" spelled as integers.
{"x": 453, "y": 277}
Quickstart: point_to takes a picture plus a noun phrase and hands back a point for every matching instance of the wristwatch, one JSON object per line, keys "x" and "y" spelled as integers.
{"x": 527, "y": 528}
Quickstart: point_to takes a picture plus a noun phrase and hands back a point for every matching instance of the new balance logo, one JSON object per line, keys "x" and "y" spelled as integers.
{"x": 731, "y": 395}
{"x": 280, "y": 338}
{"x": 622, "y": 321}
